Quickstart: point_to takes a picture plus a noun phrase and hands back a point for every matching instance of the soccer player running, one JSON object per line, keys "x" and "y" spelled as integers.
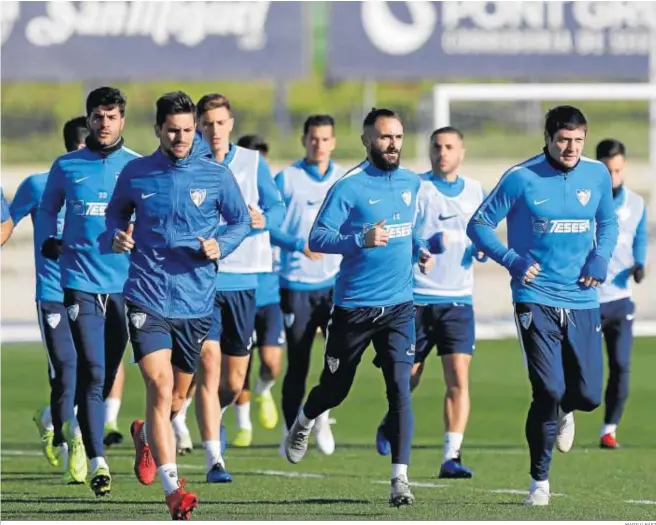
{"x": 178, "y": 195}
{"x": 269, "y": 336}
{"x": 562, "y": 230}
{"x": 368, "y": 218}
{"x": 84, "y": 181}
{"x": 445, "y": 314}
{"x": 617, "y": 308}
{"x": 307, "y": 278}
{"x": 53, "y": 320}
{"x": 226, "y": 352}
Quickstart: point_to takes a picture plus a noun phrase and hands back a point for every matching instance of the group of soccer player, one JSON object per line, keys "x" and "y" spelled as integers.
{"x": 196, "y": 252}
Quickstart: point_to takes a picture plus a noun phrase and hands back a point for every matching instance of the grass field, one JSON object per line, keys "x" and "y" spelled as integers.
{"x": 353, "y": 483}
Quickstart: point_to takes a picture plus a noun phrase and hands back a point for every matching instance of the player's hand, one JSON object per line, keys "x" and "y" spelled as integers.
{"x": 426, "y": 261}
{"x": 257, "y": 219}
{"x": 377, "y": 236}
{"x": 313, "y": 256}
{"x": 638, "y": 272}
{"x": 210, "y": 248}
{"x": 524, "y": 268}
{"x": 123, "y": 241}
{"x": 594, "y": 271}
{"x": 52, "y": 248}
{"x": 531, "y": 273}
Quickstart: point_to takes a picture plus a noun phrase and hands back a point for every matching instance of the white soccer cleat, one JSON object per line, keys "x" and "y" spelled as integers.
{"x": 324, "y": 435}
{"x": 565, "y": 436}
{"x": 400, "y": 494}
{"x": 538, "y": 497}
{"x": 184, "y": 445}
{"x": 296, "y": 443}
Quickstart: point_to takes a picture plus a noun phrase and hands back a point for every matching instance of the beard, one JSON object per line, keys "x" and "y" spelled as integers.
{"x": 381, "y": 163}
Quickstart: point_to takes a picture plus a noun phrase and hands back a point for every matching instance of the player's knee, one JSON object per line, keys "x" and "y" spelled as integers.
{"x": 96, "y": 376}
{"x": 160, "y": 388}
{"x": 210, "y": 365}
{"x": 457, "y": 391}
{"x": 589, "y": 400}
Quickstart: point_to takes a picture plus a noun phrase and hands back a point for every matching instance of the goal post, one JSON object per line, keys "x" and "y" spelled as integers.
{"x": 445, "y": 94}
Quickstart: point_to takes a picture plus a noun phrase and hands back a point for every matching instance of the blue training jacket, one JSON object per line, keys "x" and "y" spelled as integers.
{"x": 84, "y": 181}
{"x": 363, "y": 197}
{"x": 175, "y": 202}
{"x": 560, "y": 218}
{"x": 26, "y": 202}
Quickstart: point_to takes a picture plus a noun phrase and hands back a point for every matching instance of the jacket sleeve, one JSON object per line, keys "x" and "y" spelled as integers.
{"x": 233, "y": 209}
{"x": 118, "y": 213}
{"x": 52, "y": 202}
{"x": 270, "y": 200}
{"x": 640, "y": 240}
{"x": 494, "y": 208}
{"x": 606, "y": 221}
{"x": 24, "y": 202}
{"x": 325, "y": 235}
{"x": 278, "y": 237}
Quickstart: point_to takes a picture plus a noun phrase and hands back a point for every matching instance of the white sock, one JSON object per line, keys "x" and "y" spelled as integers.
{"x": 168, "y": 475}
{"x": 185, "y": 406}
{"x": 46, "y": 419}
{"x": 452, "y": 444}
{"x": 539, "y": 485}
{"x": 180, "y": 425}
{"x": 98, "y": 462}
{"x": 399, "y": 471}
{"x": 323, "y": 418}
{"x": 243, "y": 416}
{"x": 75, "y": 428}
{"x": 608, "y": 429}
{"x": 304, "y": 421}
{"x": 212, "y": 454}
{"x": 144, "y": 435}
{"x": 63, "y": 455}
{"x": 112, "y": 407}
{"x": 263, "y": 387}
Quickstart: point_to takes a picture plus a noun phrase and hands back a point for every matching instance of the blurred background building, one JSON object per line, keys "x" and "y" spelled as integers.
{"x": 278, "y": 62}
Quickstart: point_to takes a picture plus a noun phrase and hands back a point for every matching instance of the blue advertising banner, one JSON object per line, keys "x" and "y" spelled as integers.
{"x": 64, "y": 41}
{"x": 550, "y": 40}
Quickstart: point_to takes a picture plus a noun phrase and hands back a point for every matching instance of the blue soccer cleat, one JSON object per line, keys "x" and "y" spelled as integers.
{"x": 218, "y": 474}
{"x": 383, "y": 446}
{"x": 454, "y": 469}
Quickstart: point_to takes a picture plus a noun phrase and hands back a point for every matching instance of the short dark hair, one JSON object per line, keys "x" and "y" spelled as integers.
{"x": 75, "y": 131}
{"x": 376, "y": 113}
{"x": 445, "y": 130}
{"x": 314, "y": 121}
{"x": 174, "y": 103}
{"x": 212, "y": 101}
{"x": 564, "y": 117}
{"x": 254, "y": 142}
{"x": 609, "y": 148}
{"x": 107, "y": 97}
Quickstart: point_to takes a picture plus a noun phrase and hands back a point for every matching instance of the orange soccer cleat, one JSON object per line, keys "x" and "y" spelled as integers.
{"x": 144, "y": 463}
{"x": 608, "y": 441}
{"x": 181, "y": 503}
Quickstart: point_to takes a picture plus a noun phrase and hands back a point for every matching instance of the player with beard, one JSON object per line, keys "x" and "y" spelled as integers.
{"x": 368, "y": 218}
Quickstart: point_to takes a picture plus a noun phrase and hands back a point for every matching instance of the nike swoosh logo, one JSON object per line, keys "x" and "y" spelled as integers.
{"x": 371, "y": 201}
{"x": 313, "y": 203}
{"x": 447, "y": 217}
{"x": 598, "y": 328}
{"x": 630, "y": 317}
{"x": 80, "y": 180}
{"x": 537, "y": 203}
{"x": 146, "y": 196}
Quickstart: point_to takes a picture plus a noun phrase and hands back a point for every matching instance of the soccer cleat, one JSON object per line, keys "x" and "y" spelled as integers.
{"x": 68, "y": 479}
{"x": 454, "y": 469}
{"x": 218, "y": 474}
{"x": 112, "y": 435}
{"x": 608, "y": 441}
{"x": 383, "y": 446}
{"x": 268, "y": 412}
{"x": 324, "y": 436}
{"x": 565, "y": 436}
{"x": 538, "y": 497}
{"x": 400, "y": 494}
{"x": 244, "y": 438}
{"x": 77, "y": 457}
{"x": 296, "y": 443}
{"x": 144, "y": 463}
{"x": 183, "y": 444}
{"x": 47, "y": 436}
{"x": 101, "y": 482}
{"x": 181, "y": 503}
{"x": 223, "y": 438}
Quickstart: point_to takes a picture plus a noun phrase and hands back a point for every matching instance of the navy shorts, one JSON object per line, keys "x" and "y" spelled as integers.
{"x": 269, "y": 330}
{"x": 234, "y": 321}
{"x": 150, "y": 332}
{"x": 449, "y": 326}
{"x": 391, "y": 329}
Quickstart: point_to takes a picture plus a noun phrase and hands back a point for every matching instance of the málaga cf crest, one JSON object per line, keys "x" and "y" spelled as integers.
{"x": 198, "y": 196}
{"x": 583, "y": 196}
